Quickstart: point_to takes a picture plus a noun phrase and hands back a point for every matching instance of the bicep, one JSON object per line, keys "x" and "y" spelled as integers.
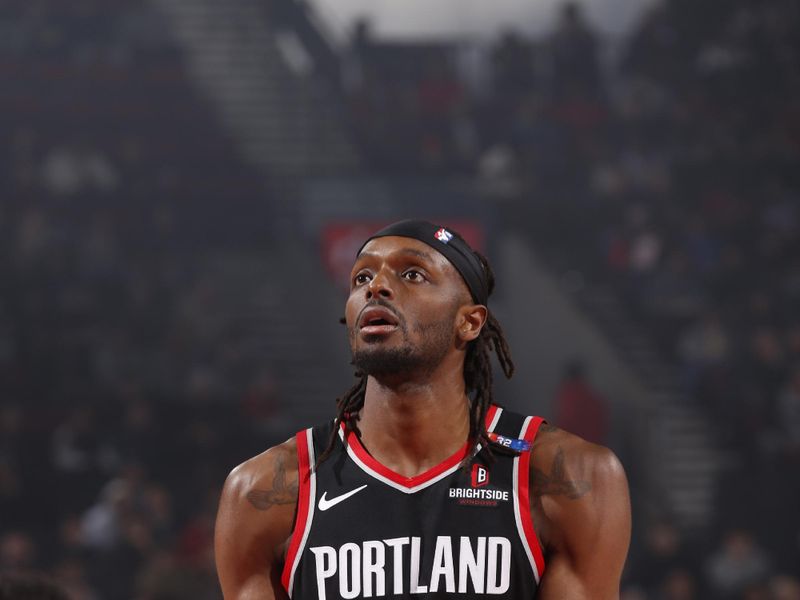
{"x": 245, "y": 566}
{"x": 248, "y": 537}
{"x": 594, "y": 533}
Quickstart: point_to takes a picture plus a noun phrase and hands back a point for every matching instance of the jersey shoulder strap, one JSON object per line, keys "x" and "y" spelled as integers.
{"x": 306, "y": 494}
{"x": 518, "y": 433}
{"x": 512, "y": 427}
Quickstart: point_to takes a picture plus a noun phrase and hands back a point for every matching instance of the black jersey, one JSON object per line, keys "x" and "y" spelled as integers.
{"x": 365, "y": 531}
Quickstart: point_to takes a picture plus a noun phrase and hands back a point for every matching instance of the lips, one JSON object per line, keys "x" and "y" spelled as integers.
{"x": 377, "y": 321}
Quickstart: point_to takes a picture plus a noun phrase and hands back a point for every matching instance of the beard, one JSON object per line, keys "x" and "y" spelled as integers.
{"x": 379, "y": 361}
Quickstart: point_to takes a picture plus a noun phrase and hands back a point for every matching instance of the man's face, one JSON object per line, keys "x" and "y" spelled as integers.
{"x": 401, "y": 313}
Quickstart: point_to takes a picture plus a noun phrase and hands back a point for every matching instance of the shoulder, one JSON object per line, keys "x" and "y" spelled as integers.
{"x": 581, "y": 509}
{"x": 254, "y": 522}
{"x": 577, "y": 485}
{"x": 265, "y": 479}
{"x": 559, "y": 453}
{"x": 260, "y": 495}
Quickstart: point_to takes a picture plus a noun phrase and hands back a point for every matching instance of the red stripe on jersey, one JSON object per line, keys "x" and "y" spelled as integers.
{"x": 490, "y": 416}
{"x": 410, "y": 482}
{"x": 524, "y": 504}
{"x": 303, "y": 504}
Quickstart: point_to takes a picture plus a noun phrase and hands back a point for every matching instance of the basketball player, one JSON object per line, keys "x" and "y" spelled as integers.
{"x": 422, "y": 487}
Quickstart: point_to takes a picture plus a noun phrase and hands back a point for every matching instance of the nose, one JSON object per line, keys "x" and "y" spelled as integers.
{"x": 379, "y": 287}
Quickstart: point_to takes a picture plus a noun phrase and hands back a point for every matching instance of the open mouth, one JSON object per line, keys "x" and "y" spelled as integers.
{"x": 377, "y": 321}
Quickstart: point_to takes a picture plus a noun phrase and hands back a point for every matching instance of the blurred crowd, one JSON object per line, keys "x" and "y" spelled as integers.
{"x": 672, "y": 173}
{"x": 113, "y": 445}
{"x": 115, "y": 502}
{"x": 714, "y": 265}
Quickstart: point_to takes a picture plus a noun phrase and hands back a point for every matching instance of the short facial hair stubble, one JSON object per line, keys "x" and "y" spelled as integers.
{"x": 375, "y": 359}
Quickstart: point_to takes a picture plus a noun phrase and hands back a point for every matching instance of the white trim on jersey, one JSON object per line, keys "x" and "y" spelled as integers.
{"x": 517, "y": 508}
{"x": 428, "y": 482}
{"x": 495, "y": 420}
{"x": 312, "y": 501}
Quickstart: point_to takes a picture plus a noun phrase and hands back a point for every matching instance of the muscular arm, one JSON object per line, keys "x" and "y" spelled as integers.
{"x": 254, "y": 522}
{"x": 581, "y": 505}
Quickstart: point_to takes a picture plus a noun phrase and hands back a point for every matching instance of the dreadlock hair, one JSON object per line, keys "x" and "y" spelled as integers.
{"x": 478, "y": 378}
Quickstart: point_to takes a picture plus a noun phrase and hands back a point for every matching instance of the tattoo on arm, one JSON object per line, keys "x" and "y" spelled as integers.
{"x": 283, "y": 491}
{"x": 555, "y": 483}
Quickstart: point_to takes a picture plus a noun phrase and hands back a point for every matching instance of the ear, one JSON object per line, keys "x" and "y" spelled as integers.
{"x": 470, "y": 321}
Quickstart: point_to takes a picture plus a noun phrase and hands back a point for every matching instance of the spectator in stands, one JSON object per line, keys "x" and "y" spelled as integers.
{"x": 785, "y": 587}
{"x": 18, "y": 551}
{"x": 678, "y": 584}
{"x": 69, "y": 170}
{"x": 513, "y": 69}
{"x": 12, "y": 492}
{"x": 140, "y": 427}
{"x": 705, "y": 342}
{"x": 573, "y": 49}
{"x": 105, "y": 523}
{"x": 779, "y": 466}
{"x": 117, "y": 567}
{"x": 81, "y": 457}
{"x": 767, "y": 359}
{"x": 72, "y": 575}
{"x": 632, "y": 592}
{"x": 788, "y": 414}
{"x": 664, "y": 553}
{"x": 29, "y": 587}
{"x": 738, "y": 563}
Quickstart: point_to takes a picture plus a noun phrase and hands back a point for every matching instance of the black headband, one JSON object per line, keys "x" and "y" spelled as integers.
{"x": 447, "y": 243}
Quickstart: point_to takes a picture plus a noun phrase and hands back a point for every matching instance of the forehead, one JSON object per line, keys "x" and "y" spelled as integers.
{"x": 396, "y": 246}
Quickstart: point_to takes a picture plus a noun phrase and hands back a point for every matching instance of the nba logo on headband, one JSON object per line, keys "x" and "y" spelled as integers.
{"x": 450, "y": 245}
{"x": 443, "y": 235}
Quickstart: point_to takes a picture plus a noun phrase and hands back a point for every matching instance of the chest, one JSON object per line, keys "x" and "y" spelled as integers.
{"x": 476, "y": 499}
{"x": 462, "y": 529}
{"x": 457, "y": 533}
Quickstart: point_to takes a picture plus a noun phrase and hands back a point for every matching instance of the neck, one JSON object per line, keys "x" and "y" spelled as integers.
{"x": 412, "y": 425}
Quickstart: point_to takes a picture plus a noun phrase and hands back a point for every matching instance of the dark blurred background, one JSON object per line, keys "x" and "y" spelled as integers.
{"x": 183, "y": 186}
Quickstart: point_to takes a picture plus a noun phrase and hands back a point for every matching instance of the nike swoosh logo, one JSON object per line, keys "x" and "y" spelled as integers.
{"x": 325, "y": 504}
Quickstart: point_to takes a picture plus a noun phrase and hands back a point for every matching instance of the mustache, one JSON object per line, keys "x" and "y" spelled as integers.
{"x": 382, "y": 303}
{"x": 372, "y": 304}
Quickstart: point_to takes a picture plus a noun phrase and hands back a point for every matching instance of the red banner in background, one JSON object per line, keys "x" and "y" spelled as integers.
{"x": 341, "y": 241}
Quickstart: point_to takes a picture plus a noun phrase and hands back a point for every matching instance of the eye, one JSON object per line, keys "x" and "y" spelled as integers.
{"x": 413, "y": 275}
{"x": 361, "y": 278}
